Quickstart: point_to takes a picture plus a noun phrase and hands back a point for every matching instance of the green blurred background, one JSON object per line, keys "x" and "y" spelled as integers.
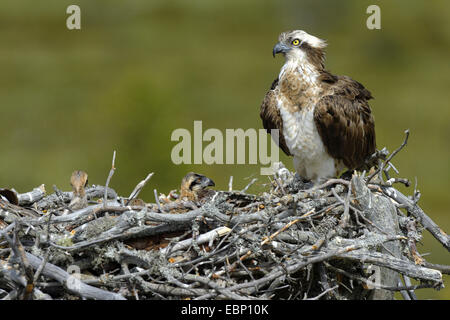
{"x": 137, "y": 70}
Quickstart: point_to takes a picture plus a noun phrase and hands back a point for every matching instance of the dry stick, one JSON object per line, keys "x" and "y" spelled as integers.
{"x": 26, "y": 266}
{"x": 12, "y": 295}
{"x": 4, "y": 232}
{"x": 9, "y": 212}
{"x": 225, "y": 291}
{"x": 38, "y": 272}
{"x": 391, "y": 182}
{"x": 19, "y": 252}
{"x": 60, "y": 196}
{"x": 13, "y": 276}
{"x": 279, "y": 185}
{"x": 270, "y": 238}
{"x": 442, "y": 268}
{"x": 111, "y": 172}
{"x": 411, "y": 293}
{"x": 411, "y": 228}
{"x": 91, "y": 192}
{"x": 175, "y": 205}
{"x": 76, "y": 216}
{"x": 292, "y": 266}
{"x": 28, "y": 198}
{"x": 375, "y": 285}
{"x": 405, "y": 294}
{"x": 157, "y": 200}
{"x": 391, "y": 165}
{"x": 378, "y": 154}
{"x": 346, "y": 215}
{"x": 233, "y": 266}
{"x": 167, "y": 289}
{"x": 323, "y": 279}
{"x": 361, "y": 214}
{"x": 139, "y": 187}
{"x": 249, "y": 185}
{"x": 217, "y": 250}
{"x": 70, "y": 282}
{"x": 331, "y": 182}
{"x": 245, "y": 269}
{"x": 323, "y": 293}
{"x": 123, "y": 232}
{"x": 419, "y": 214}
{"x": 203, "y": 238}
{"x": 383, "y": 164}
{"x": 404, "y": 267}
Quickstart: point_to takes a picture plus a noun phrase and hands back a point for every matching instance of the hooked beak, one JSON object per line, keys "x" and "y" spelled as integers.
{"x": 280, "y": 47}
{"x": 206, "y": 182}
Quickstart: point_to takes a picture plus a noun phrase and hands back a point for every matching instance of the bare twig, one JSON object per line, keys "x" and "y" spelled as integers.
{"x": 387, "y": 161}
{"x": 111, "y": 173}
{"x": 249, "y": 185}
{"x": 139, "y": 187}
{"x": 420, "y": 215}
{"x": 230, "y": 184}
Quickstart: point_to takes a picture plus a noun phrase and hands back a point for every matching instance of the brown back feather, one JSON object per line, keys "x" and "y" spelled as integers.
{"x": 344, "y": 120}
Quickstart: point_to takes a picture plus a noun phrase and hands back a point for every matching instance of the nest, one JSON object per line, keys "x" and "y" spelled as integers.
{"x": 348, "y": 238}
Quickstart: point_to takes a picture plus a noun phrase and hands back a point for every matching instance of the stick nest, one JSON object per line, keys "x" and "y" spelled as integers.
{"x": 348, "y": 238}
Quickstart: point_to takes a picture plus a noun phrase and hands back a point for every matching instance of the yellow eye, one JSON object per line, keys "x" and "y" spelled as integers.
{"x": 295, "y": 42}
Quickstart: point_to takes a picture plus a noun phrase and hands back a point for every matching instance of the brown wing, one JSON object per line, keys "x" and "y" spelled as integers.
{"x": 345, "y": 122}
{"x": 271, "y": 118}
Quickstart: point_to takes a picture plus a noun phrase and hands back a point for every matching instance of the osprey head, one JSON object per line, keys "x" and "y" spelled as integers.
{"x": 193, "y": 184}
{"x": 299, "y": 45}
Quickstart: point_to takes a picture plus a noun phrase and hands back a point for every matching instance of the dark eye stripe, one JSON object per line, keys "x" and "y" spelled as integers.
{"x": 194, "y": 183}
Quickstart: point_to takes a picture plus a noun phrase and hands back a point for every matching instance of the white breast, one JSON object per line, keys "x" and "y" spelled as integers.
{"x": 311, "y": 159}
{"x": 300, "y": 132}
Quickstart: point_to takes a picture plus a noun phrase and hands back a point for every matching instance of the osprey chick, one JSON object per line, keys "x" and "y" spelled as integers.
{"x": 324, "y": 120}
{"x": 194, "y": 187}
{"x": 79, "y": 181}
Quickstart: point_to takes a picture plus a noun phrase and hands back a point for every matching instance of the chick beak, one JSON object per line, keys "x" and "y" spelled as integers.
{"x": 207, "y": 182}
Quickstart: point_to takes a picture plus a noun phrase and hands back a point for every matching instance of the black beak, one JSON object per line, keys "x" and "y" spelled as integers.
{"x": 279, "y": 47}
{"x": 207, "y": 182}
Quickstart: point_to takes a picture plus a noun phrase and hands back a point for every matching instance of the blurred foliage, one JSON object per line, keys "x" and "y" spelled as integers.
{"x": 137, "y": 70}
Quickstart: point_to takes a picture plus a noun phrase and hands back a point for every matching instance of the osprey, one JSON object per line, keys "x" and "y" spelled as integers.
{"x": 194, "y": 187}
{"x": 324, "y": 120}
{"x": 79, "y": 181}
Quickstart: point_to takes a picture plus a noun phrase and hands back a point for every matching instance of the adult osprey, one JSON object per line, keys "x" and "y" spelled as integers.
{"x": 324, "y": 120}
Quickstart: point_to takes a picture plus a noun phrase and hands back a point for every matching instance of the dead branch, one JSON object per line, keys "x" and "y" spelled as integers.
{"x": 294, "y": 241}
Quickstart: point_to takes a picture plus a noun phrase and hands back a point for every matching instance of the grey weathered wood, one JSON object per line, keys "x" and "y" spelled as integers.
{"x": 122, "y": 229}
{"x": 93, "y": 192}
{"x": 419, "y": 214}
{"x": 28, "y": 198}
{"x": 78, "y": 215}
{"x": 386, "y": 261}
{"x": 269, "y": 238}
{"x": 381, "y": 211}
{"x": 70, "y": 282}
